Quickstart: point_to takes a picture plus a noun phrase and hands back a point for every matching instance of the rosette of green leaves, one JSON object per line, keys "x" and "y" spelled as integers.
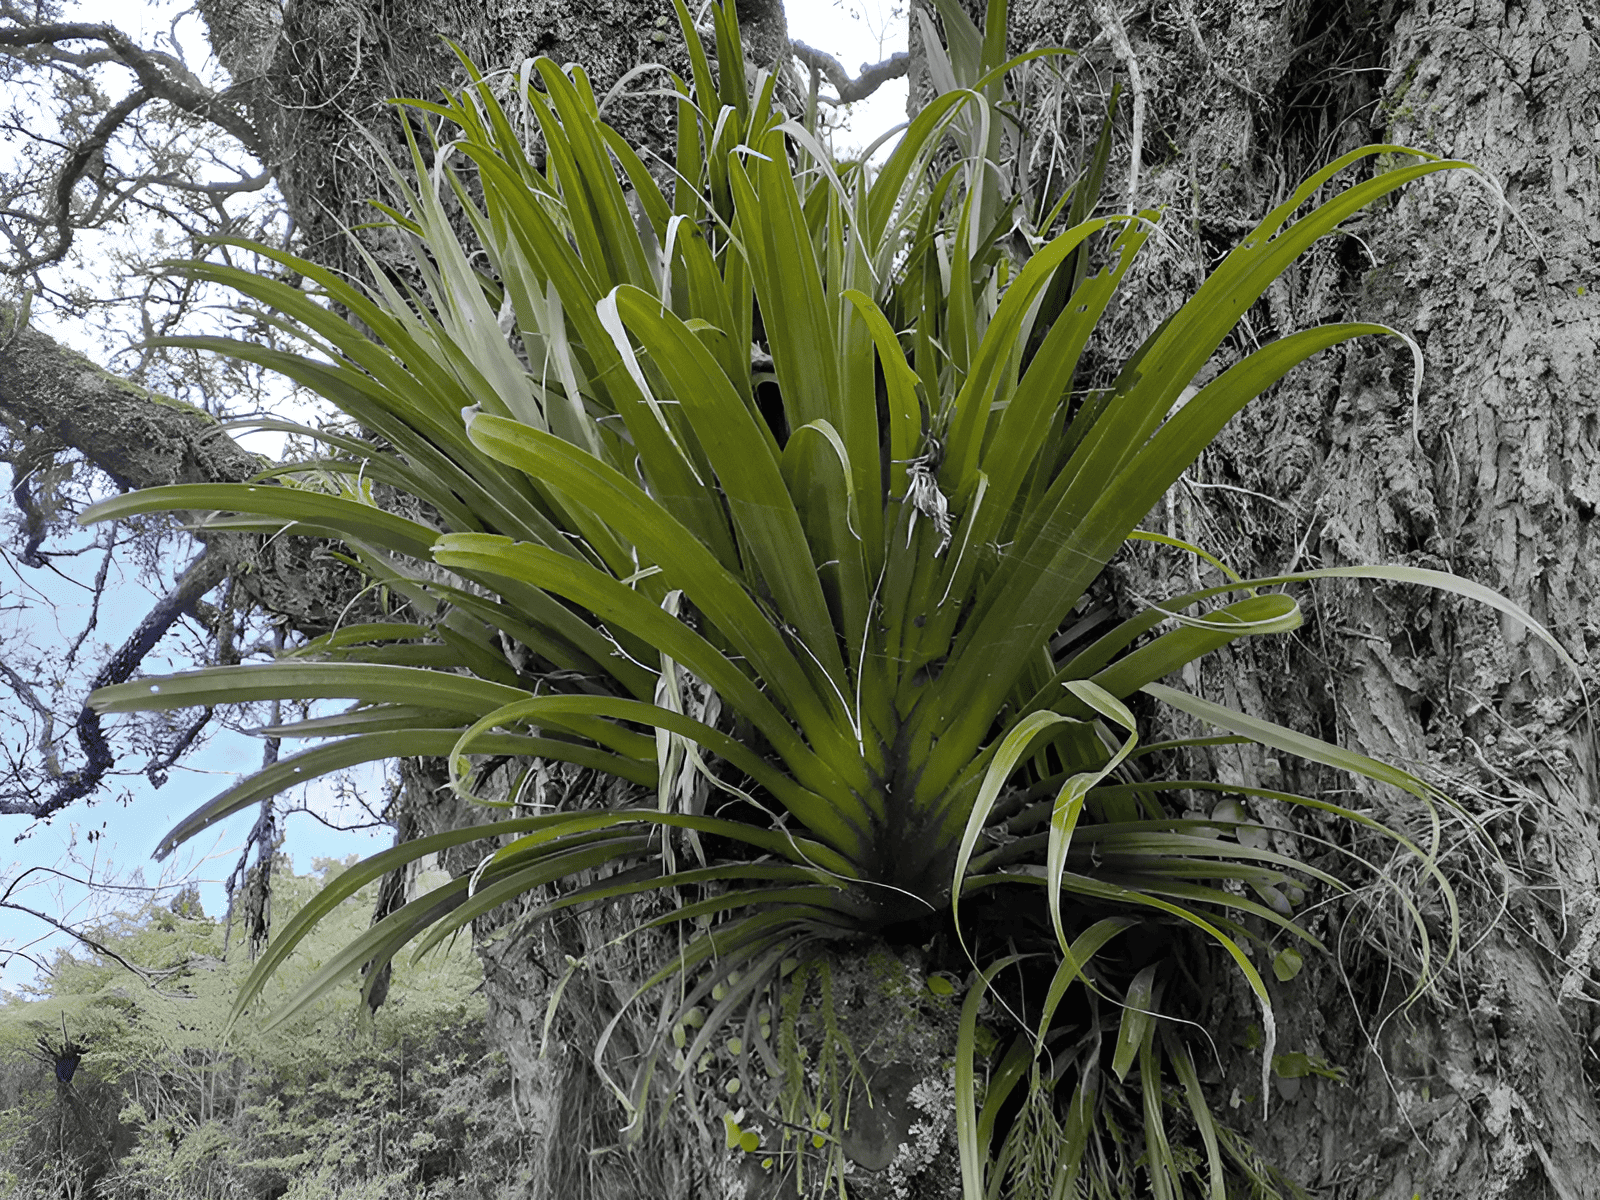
{"x": 818, "y": 611}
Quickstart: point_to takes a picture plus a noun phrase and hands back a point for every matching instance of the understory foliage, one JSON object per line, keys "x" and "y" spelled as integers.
{"x": 779, "y": 487}
{"x": 335, "y": 1106}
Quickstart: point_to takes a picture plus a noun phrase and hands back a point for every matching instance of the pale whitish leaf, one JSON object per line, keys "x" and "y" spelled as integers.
{"x": 1068, "y": 804}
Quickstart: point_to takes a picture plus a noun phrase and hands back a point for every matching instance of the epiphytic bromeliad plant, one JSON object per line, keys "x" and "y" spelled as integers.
{"x": 780, "y": 497}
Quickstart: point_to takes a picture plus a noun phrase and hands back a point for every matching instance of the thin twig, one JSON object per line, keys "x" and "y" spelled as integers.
{"x": 160, "y": 76}
{"x": 98, "y": 947}
{"x": 1111, "y": 23}
{"x": 204, "y": 573}
{"x": 47, "y": 741}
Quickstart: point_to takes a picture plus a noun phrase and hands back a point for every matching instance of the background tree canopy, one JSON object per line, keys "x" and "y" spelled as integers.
{"x": 407, "y": 1102}
{"x": 1488, "y": 471}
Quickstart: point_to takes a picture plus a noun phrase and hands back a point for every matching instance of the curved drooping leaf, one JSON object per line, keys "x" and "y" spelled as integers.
{"x": 623, "y": 607}
{"x": 577, "y": 713}
{"x": 376, "y": 747}
{"x": 352, "y": 518}
{"x": 373, "y": 683}
{"x": 351, "y": 880}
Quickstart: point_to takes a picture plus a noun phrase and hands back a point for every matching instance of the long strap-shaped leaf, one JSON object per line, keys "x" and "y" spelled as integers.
{"x": 1185, "y": 344}
{"x": 376, "y": 944}
{"x": 973, "y": 1156}
{"x": 1190, "y": 338}
{"x": 375, "y": 718}
{"x": 614, "y": 888}
{"x": 621, "y": 606}
{"x": 1068, "y": 804}
{"x": 801, "y": 851}
{"x": 373, "y": 683}
{"x": 991, "y": 376}
{"x": 1124, "y": 897}
{"x": 819, "y": 475}
{"x": 388, "y": 361}
{"x": 498, "y": 497}
{"x": 383, "y": 940}
{"x": 373, "y": 747}
{"x": 545, "y": 245}
{"x": 796, "y": 312}
{"x": 900, "y": 382}
{"x": 364, "y": 522}
{"x": 685, "y": 562}
{"x": 471, "y": 344}
{"x": 897, "y": 188}
{"x": 364, "y": 462}
{"x": 770, "y": 533}
{"x": 594, "y": 200}
{"x": 531, "y": 617}
{"x": 351, "y": 880}
{"x": 1054, "y": 563}
{"x": 1272, "y": 613}
{"x": 1022, "y": 426}
{"x": 1268, "y": 733}
{"x": 842, "y": 826}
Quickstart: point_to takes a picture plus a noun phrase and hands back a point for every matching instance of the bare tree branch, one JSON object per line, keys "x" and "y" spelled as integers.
{"x": 873, "y": 75}
{"x": 250, "y": 183}
{"x": 377, "y": 823}
{"x": 79, "y": 162}
{"x": 47, "y": 720}
{"x": 202, "y": 575}
{"x": 147, "y": 975}
{"x": 33, "y": 454}
{"x": 98, "y": 947}
{"x": 160, "y": 74}
{"x": 99, "y": 591}
{"x": 137, "y": 438}
{"x": 158, "y": 768}
{"x": 160, "y": 77}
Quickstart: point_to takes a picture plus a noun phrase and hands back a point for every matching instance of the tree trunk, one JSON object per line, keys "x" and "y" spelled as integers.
{"x": 1486, "y": 1086}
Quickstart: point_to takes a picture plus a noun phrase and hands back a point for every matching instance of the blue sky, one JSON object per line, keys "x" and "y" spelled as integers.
{"x": 110, "y": 839}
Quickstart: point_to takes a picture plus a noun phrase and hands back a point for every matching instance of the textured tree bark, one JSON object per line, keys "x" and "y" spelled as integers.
{"x": 1489, "y": 1084}
{"x": 137, "y": 438}
{"x": 323, "y": 74}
